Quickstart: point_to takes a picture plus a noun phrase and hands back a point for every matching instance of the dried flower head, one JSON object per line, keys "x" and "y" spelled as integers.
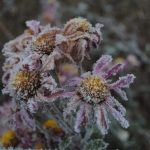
{"x": 78, "y": 37}
{"x": 76, "y": 24}
{"x": 93, "y": 92}
{"x": 44, "y": 43}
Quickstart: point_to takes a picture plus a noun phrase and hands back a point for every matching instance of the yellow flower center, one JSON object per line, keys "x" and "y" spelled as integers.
{"x": 26, "y": 83}
{"x": 93, "y": 89}
{"x": 9, "y": 139}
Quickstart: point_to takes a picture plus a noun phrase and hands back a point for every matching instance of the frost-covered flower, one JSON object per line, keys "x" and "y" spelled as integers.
{"x": 92, "y": 93}
{"x": 78, "y": 37}
{"x": 30, "y": 81}
{"x": 14, "y": 50}
{"x": 45, "y": 45}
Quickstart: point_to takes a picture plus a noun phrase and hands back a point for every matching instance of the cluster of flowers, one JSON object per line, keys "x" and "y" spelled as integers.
{"x": 33, "y": 57}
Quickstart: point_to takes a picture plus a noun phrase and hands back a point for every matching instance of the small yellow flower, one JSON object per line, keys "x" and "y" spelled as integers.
{"x": 9, "y": 138}
{"x": 27, "y": 82}
{"x": 52, "y": 125}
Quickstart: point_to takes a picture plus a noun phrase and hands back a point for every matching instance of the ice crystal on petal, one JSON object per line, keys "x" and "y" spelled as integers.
{"x": 80, "y": 118}
{"x": 117, "y": 115}
{"x": 113, "y": 71}
{"x": 124, "y": 82}
{"x": 102, "y": 120}
{"x": 101, "y": 63}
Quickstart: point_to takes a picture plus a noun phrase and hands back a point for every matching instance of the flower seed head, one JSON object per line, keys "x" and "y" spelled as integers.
{"x": 76, "y": 24}
{"x": 26, "y": 83}
{"x": 93, "y": 89}
{"x": 44, "y": 44}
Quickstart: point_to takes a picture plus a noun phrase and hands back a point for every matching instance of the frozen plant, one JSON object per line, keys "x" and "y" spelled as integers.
{"x": 44, "y": 94}
{"x": 92, "y": 92}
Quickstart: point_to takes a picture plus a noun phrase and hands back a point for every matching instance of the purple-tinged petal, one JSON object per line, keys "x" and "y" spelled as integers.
{"x": 32, "y": 62}
{"x": 60, "y": 94}
{"x": 121, "y": 93}
{"x": 101, "y": 63}
{"x": 74, "y": 81}
{"x": 33, "y": 106}
{"x": 80, "y": 119}
{"x": 5, "y": 77}
{"x": 113, "y": 71}
{"x": 33, "y": 25}
{"x": 102, "y": 119}
{"x": 123, "y": 82}
{"x": 114, "y": 103}
{"x": 117, "y": 115}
